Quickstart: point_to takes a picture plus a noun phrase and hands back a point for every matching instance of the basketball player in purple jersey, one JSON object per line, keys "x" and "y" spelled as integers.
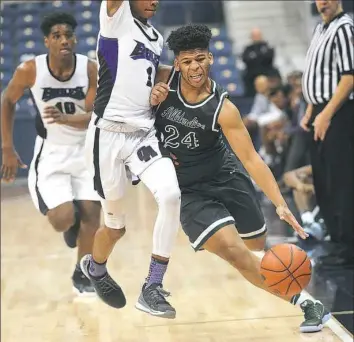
{"x": 122, "y": 134}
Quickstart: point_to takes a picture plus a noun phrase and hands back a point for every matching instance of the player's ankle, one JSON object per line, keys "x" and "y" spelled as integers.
{"x": 299, "y": 299}
{"x": 97, "y": 270}
{"x": 157, "y": 271}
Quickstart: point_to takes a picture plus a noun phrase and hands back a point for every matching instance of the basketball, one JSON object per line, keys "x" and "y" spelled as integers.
{"x": 286, "y": 269}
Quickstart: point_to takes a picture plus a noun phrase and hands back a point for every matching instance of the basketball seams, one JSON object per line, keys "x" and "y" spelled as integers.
{"x": 295, "y": 279}
{"x": 303, "y": 261}
{"x": 290, "y": 274}
{"x": 291, "y": 256}
{"x": 281, "y": 261}
{"x": 267, "y": 269}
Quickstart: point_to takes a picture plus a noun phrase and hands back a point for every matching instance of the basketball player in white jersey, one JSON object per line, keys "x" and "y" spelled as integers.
{"x": 62, "y": 85}
{"x": 121, "y": 134}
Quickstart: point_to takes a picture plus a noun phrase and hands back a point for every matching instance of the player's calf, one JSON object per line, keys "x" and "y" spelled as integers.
{"x": 256, "y": 244}
{"x": 94, "y": 266}
{"x": 62, "y": 217}
{"x": 65, "y": 218}
{"x": 160, "y": 178}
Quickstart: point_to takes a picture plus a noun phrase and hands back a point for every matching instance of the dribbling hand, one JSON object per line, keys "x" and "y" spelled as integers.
{"x": 286, "y": 215}
{"x": 159, "y": 93}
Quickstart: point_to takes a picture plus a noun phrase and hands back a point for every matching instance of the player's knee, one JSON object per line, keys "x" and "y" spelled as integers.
{"x": 257, "y": 244}
{"x": 89, "y": 228}
{"x": 115, "y": 222}
{"x": 169, "y": 197}
{"x": 62, "y": 217}
{"x": 113, "y": 214}
{"x": 90, "y": 215}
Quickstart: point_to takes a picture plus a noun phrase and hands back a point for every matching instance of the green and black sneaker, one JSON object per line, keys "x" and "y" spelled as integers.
{"x": 316, "y": 316}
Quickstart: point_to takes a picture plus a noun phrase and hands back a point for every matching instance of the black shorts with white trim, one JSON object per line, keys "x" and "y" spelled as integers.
{"x": 228, "y": 198}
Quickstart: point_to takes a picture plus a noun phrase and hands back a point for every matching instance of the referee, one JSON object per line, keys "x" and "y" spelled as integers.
{"x": 328, "y": 89}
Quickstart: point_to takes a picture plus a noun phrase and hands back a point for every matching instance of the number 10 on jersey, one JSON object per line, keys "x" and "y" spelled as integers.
{"x": 172, "y": 134}
{"x": 66, "y": 107}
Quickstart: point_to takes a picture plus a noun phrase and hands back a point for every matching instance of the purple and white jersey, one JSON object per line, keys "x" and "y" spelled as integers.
{"x": 128, "y": 54}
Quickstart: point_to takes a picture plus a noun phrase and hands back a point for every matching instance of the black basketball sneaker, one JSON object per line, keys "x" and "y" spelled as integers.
{"x": 82, "y": 285}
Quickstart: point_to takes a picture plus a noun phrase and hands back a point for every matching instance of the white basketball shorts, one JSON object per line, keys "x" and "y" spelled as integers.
{"x": 58, "y": 174}
{"x": 108, "y": 153}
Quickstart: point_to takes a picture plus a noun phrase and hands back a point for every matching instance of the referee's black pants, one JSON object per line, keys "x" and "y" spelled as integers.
{"x": 333, "y": 173}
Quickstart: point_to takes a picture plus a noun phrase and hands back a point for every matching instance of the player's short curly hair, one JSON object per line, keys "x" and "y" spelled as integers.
{"x": 57, "y": 18}
{"x": 189, "y": 37}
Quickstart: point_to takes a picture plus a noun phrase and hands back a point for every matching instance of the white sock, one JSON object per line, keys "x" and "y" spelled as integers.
{"x": 307, "y": 217}
{"x": 300, "y": 298}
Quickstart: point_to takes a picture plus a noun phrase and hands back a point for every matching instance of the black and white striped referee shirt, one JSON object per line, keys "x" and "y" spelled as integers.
{"x": 330, "y": 55}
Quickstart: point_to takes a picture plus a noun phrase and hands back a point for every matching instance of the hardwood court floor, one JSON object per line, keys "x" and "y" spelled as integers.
{"x": 213, "y": 302}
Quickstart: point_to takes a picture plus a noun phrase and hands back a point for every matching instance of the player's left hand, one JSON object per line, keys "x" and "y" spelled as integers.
{"x": 321, "y": 125}
{"x": 286, "y": 215}
{"x": 159, "y": 93}
{"x": 52, "y": 115}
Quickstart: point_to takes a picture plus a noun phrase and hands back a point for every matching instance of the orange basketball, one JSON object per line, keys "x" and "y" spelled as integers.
{"x": 286, "y": 269}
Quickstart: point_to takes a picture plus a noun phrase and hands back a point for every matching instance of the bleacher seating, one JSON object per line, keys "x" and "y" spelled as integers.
{"x": 22, "y": 38}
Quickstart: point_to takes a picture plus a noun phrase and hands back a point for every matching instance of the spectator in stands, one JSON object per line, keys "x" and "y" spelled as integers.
{"x": 272, "y": 127}
{"x": 258, "y": 58}
{"x": 260, "y": 103}
{"x": 274, "y": 78}
{"x": 301, "y": 181}
{"x": 299, "y": 141}
{"x": 294, "y": 77}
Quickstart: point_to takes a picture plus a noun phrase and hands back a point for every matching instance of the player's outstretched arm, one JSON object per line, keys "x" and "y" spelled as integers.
{"x": 23, "y": 78}
{"x": 113, "y": 6}
{"x": 53, "y": 115}
{"x": 237, "y": 135}
{"x": 91, "y": 92}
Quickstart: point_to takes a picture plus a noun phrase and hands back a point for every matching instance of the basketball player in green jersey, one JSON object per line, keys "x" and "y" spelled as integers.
{"x": 219, "y": 212}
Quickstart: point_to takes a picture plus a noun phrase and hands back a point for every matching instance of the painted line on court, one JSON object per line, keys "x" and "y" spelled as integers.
{"x": 339, "y": 313}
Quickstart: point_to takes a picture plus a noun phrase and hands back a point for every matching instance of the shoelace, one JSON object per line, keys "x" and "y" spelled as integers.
{"x": 311, "y": 311}
{"x": 163, "y": 292}
{"x": 156, "y": 297}
{"x": 106, "y": 284}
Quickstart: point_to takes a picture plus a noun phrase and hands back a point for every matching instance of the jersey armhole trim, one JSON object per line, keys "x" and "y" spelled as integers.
{"x": 171, "y": 76}
{"x": 215, "y": 127}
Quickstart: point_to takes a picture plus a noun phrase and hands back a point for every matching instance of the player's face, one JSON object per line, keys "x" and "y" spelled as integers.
{"x": 61, "y": 40}
{"x": 194, "y": 66}
{"x": 144, "y": 8}
{"x": 327, "y": 8}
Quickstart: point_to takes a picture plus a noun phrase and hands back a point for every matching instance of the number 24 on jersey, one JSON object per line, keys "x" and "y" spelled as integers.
{"x": 172, "y": 134}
